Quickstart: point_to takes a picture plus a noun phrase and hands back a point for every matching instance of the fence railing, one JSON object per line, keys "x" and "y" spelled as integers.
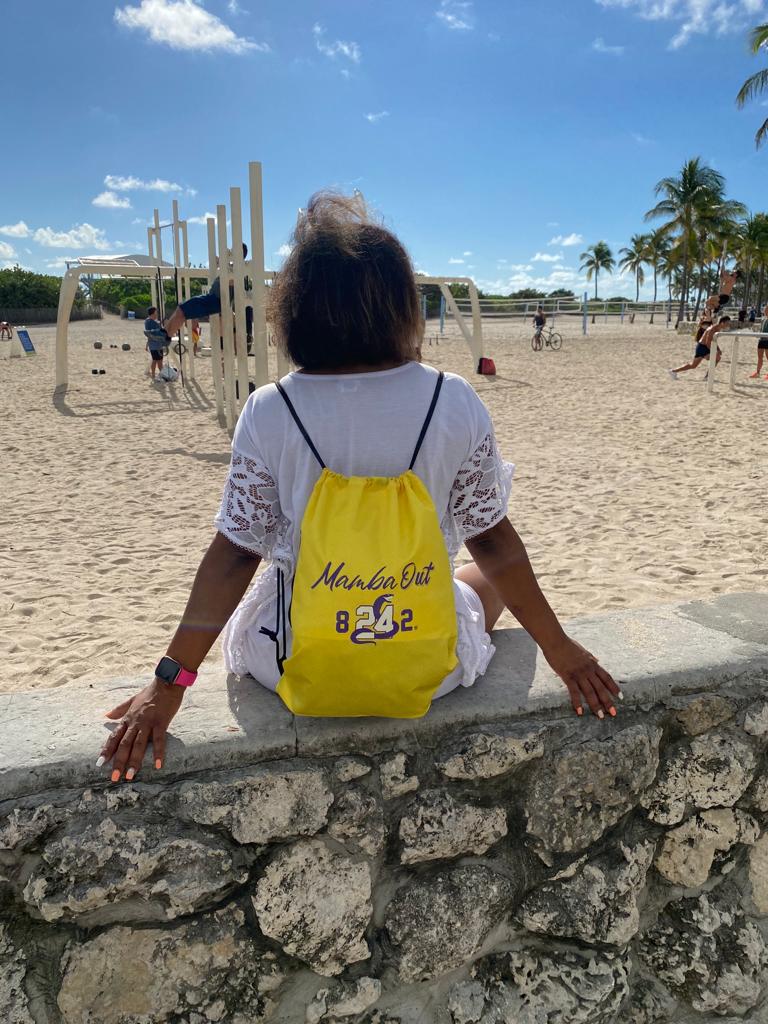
{"x": 47, "y": 315}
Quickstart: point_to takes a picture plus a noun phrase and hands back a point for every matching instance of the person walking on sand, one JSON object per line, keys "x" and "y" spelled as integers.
{"x": 762, "y": 346}
{"x": 157, "y": 339}
{"x": 704, "y": 347}
{"x": 360, "y": 514}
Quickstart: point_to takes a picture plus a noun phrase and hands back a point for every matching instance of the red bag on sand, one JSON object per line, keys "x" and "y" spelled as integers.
{"x": 486, "y": 367}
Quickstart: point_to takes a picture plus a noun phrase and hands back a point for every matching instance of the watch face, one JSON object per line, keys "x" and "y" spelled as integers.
{"x": 168, "y": 670}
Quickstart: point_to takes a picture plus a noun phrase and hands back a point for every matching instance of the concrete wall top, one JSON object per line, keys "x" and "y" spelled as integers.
{"x": 51, "y": 738}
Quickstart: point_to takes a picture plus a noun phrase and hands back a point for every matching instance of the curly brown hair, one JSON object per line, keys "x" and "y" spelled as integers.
{"x": 346, "y": 294}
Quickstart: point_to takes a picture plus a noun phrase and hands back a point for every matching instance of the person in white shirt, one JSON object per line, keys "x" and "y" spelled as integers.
{"x": 346, "y": 310}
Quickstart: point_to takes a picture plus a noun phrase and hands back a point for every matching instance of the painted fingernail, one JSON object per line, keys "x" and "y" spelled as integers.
{"x": 101, "y": 761}
{"x": 130, "y": 774}
{"x": 158, "y": 763}
{"x": 579, "y": 711}
{"x": 601, "y": 714}
{"x": 115, "y": 775}
{"x": 612, "y": 712}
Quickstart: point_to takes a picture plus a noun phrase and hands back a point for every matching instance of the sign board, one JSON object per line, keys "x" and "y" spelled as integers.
{"x": 26, "y": 341}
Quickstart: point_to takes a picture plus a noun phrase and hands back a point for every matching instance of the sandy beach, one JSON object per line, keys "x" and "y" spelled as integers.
{"x": 630, "y": 489}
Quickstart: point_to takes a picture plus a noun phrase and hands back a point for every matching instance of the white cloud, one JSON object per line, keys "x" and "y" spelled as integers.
{"x": 7, "y": 252}
{"x": 338, "y": 48}
{"x": 641, "y": 140}
{"x": 543, "y": 257}
{"x": 284, "y": 250}
{"x": 467, "y": 253}
{"x": 600, "y": 46}
{"x": 203, "y": 219}
{"x": 375, "y": 118}
{"x": 456, "y": 14}
{"x": 695, "y": 17}
{"x": 129, "y": 183}
{"x": 234, "y": 7}
{"x": 60, "y": 263}
{"x": 111, "y": 201}
{"x": 19, "y": 230}
{"x": 572, "y": 239}
{"x": 521, "y": 277}
{"x": 140, "y": 220}
{"x": 81, "y": 236}
{"x": 454, "y": 262}
{"x": 184, "y": 25}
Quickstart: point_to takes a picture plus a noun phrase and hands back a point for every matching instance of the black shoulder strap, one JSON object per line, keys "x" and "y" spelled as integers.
{"x": 299, "y": 424}
{"x": 428, "y": 420}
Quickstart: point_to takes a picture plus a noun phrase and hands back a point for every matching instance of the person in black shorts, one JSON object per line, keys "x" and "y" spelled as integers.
{"x": 762, "y": 346}
{"x": 157, "y": 339}
{"x": 539, "y": 319}
{"x": 704, "y": 347}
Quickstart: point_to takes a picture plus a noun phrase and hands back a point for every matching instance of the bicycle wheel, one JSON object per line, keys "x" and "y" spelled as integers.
{"x": 536, "y": 343}
{"x": 555, "y": 341}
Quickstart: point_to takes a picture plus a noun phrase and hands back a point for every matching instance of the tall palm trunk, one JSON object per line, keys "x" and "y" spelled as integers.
{"x": 748, "y": 282}
{"x": 653, "y": 307}
{"x": 760, "y": 283}
{"x": 684, "y": 285}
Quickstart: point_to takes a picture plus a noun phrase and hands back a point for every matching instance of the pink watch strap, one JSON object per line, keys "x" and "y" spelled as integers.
{"x": 185, "y": 678}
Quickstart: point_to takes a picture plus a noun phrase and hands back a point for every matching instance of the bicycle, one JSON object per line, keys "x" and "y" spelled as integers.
{"x": 547, "y": 336}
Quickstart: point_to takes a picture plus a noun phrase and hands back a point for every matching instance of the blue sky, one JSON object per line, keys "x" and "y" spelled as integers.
{"x": 497, "y": 137}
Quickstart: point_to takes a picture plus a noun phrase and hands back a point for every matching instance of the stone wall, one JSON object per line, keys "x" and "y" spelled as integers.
{"x": 498, "y": 861}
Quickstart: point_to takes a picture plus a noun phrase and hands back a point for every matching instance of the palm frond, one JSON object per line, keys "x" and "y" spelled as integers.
{"x": 754, "y": 86}
{"x": 762, "y": 134}
{"x": 759, "y": 38}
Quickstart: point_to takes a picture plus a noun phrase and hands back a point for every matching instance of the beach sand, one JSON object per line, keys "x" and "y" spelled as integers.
{"x": 630, "y": 489}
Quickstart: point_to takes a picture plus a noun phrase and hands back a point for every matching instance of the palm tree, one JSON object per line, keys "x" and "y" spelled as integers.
{"x": 756, "y": 84}
{"x": 596, "y": 258}
{"x": 635, "y": 256}
{"x": 657, "y": 248}
{"x": 691, "y": 200}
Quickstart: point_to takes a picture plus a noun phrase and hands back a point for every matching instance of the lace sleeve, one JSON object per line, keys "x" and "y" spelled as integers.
{"x": 250, "y": 515}
{"x": 480, "y": 494}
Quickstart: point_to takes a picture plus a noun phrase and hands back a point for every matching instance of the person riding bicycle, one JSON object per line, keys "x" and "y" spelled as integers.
{"x": 539, "y": 320}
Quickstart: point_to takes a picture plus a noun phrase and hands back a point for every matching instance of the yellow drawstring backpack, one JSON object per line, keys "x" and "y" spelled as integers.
{"x": 372, "y": 613}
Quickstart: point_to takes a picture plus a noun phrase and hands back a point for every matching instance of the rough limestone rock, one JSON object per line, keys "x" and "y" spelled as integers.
{"x": 484, "y": 755}
{"x": 707, "y": 954}
{"x": 111, "y": 872}
{"x": 758, "y": 874}
{"x": 756, "y": 797}
{"x": 14, "y": 1006}
{"x": 579, "y": 793}
{"x": 466, "y": 1001}
{"x": 437, "y": 826}
{"x": 357, "y": 820}
{"x": 705, "y": 713}
{"x": 688, "y": 852}
{"x": 713, "y": 771}
{"x": 756, "y": 720}
{"x": 198, "y": 971}
{"x": 344, "y": 1000}
{"x": 648, "y": 1003}
{"x": 347, "y": 769}
{"x": 465, "y": 903}
{"x": 529, "y": 986}
{"x": 395, "y": 780}
{"x": 598, "y": 904}
{"x": 317, "y": 904}
{"x": 261, "y": 806}
{"x": 23, "y": 826}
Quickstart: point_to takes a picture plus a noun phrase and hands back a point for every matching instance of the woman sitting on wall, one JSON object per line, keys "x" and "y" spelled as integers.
{"x": 357, "y": 477}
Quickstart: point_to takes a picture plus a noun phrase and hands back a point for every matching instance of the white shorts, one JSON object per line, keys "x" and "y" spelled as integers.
{"x": 246, "y": 648}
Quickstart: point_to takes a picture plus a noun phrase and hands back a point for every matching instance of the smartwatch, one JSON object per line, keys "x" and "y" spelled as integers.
{"x": 171, "y": 672}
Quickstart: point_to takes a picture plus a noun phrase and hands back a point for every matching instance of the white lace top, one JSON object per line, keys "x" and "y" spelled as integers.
{"x": 362, "y": 425}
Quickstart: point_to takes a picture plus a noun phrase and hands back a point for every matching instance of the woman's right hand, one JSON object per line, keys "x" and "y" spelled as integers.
{"x": 140, "y": 719}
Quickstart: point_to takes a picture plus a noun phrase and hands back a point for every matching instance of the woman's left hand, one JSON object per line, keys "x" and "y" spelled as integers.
{"x": 586, "y": 680}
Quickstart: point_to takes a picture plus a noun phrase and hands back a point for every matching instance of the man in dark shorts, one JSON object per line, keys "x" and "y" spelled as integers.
{"x": 157, "y": 339}
{"x": 200, "y": 306}
{"x": 704, "y": 347}
{"x": 539, "y": 319}
{"x": 762, "y": 346}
